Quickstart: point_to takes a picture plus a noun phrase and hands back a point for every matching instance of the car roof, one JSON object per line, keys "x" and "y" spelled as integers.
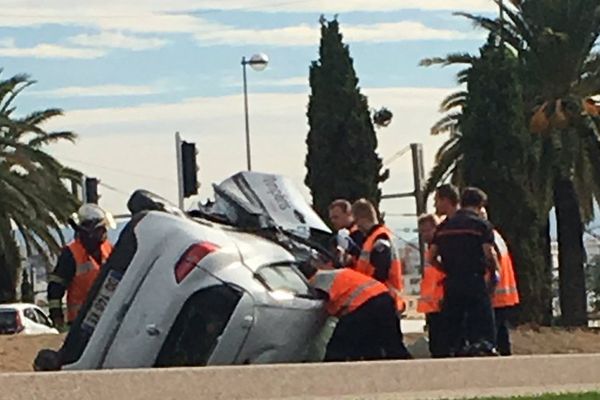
{"x": 17, "y": 306}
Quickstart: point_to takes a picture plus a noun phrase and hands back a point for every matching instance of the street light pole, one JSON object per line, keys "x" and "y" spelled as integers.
{"x": 258, "y": 62}
{"x": 248, "y": 156}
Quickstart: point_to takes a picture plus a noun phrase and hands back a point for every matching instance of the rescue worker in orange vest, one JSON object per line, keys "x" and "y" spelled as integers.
{"x": 368, "y": 326}
{"x": 340, "y": 216}
{"x": 432, "y": 293}
{"x": 379, "y": 257}
{"x": 505, "y": 295}
{"x": 79, "y": 263}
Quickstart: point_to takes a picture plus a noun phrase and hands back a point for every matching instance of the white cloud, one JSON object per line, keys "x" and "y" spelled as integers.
{"x": 236, "y": 81}
{"x": 188, "y": 15}
{"x": 308, "y": 35}
{"x": 398, "y": 31}
{"x": 298, "y": 35}
{"x": 7, "y": 42}
{"x": 45, "y": 50}
{"x": 337, "y": 6}
{"x": 99, "y": 91}
{"x": 139, "y": 16}
{"x": 140, "y": 139}
{"x": 284, "y": 82}
{"x": 117, "y": 40}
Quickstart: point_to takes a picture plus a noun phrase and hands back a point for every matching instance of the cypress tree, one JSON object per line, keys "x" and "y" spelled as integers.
{"x": 342, "y": 161}
{"x": 27, "y": 295}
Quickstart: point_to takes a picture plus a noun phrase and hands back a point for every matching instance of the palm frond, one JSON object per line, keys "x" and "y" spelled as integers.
{"x": 450, "y": 59}
{"x": 462, "y": 76}
{"x": 39, "y": 117}
{"x": 446, "y": 123}
{"x": 53, "y": 137}
{"x": 445, "y": 162}
{"x": 454, "y": 100}
{"x": 8, "y": 85}
{"x": 24, "y": 84}
{"x": 33, "y": 197}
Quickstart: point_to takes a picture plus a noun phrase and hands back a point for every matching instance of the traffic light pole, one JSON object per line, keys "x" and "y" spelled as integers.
{"x": 179, "y": 169}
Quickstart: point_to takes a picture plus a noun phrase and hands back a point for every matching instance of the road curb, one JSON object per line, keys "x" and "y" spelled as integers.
{"x": 417, "y": 379}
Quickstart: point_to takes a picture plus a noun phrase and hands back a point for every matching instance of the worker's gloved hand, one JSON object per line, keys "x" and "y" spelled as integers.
{"x": 343, "y": 239}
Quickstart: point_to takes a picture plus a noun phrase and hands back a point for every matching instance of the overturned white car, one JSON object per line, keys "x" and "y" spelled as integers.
{"x": 220, "y": 285}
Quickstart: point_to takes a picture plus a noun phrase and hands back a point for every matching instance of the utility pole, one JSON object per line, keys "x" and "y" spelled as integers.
{"x": 418, "y": 179}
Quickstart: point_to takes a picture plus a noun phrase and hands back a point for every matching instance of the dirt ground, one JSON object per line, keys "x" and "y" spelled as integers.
{"x": 17, "y": 352}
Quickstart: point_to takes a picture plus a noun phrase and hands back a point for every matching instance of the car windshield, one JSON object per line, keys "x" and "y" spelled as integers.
{"x": 8, "y": 319}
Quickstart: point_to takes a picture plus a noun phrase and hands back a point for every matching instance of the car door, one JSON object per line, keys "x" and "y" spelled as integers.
{"x": 287, "y": 316}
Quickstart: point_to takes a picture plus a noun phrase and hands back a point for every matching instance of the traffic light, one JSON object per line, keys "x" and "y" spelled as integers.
{"x": 91, "y": 190}
{"x": 189, "y": 168}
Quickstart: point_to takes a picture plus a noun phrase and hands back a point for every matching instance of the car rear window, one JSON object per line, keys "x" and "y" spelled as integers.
{"x": 284, "y": 276}
{"x": 8, "y": 320}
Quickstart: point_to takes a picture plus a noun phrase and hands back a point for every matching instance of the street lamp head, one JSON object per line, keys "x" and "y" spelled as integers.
{"x": 259, "y": 61}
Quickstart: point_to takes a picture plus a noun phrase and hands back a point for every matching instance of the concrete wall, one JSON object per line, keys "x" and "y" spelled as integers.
{"x": 416, "y": 379}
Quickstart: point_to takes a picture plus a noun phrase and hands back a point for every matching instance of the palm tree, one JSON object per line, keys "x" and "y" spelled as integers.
{"x": 34, "y": 201}
{"x": 554, "y": 41}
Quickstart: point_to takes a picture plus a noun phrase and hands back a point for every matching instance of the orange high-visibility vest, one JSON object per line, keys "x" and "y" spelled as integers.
{"x": 432, "y": 289}
{"x": 347, "y": 289}
{"x": 86, "y": 271}
{"x": 506, "y": 293}
{"x": 394, "y": 282}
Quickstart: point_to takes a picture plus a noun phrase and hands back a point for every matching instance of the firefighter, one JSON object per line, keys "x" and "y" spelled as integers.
{"x": 432, "y": 292}
{"x": 506, "y": 295}
{"x": 368, "y": 326}
{"x": 379, "y": 257}
{"x": 446, "y": 200}
{"x": 464, "y": 244}
{"x": 79, "y": 263}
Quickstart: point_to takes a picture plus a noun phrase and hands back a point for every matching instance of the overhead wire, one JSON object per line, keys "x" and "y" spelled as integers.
{"x": 117, "y": 170}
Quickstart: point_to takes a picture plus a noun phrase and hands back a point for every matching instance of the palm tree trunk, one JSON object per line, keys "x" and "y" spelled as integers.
{"x": 546, "y": 244}
{"x": 572, "y": 292}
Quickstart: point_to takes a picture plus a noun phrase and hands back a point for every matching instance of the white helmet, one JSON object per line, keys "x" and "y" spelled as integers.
{"x": 93, "y": 213}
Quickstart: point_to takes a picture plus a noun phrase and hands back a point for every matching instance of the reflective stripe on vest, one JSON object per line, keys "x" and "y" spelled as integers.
{"x": 86, "y": 271}
{"x": 394, "y": 282}
{"x": 506, "y": 293}
{"x": 347, "y": 289}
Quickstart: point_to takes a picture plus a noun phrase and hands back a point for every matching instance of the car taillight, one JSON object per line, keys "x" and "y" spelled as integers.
{"x": 20, "y": 327}
{"x": 192, "y": 256}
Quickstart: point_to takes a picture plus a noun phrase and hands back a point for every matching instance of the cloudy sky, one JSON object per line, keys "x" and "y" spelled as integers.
{"x": 130, "y": 73}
